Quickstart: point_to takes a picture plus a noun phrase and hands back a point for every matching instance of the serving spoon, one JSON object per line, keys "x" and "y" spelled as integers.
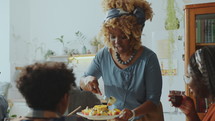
{"x": 110, "y": 101}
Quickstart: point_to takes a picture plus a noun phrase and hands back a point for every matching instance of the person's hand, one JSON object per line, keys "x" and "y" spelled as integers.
{"x": 187, "y": 106}
{"x": 124, "y": 115}
{"x": 92, "y": 85}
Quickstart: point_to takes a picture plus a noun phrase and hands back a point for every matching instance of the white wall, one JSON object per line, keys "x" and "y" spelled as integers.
{"x": 36, "y": 24}
{"x": 19, "y": 40}
{"x": 4, "y": 41}
{"x": 50, "y": 19}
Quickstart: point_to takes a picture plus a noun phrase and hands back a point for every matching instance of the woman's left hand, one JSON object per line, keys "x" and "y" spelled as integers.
{"x": 124, "y": 115}
{"x": 187, "y": 106}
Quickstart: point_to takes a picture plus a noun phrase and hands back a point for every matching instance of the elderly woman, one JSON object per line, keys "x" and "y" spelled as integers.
{"x": 130, "y": 71}
{"x": 201, "y": 80}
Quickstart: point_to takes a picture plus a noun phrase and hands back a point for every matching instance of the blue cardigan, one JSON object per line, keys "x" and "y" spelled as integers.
{"x": 133, "y": 85}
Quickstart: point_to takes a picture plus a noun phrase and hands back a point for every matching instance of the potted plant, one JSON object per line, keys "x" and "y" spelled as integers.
{"x": 49, "y": 53}
{"x": 61, "y": 40}
{"x": 81, "y": 37}
{"x": 94, "y": 44}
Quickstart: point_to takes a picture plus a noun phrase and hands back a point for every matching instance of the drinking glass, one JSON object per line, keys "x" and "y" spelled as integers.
{"x": 176, "y": 98}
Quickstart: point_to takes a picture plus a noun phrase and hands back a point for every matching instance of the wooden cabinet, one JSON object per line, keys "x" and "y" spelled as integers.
{"x": 199, "y": 32}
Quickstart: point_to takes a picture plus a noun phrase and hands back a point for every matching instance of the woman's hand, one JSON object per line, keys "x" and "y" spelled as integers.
{"x": 124, "y": 115}
{"x": 187, "y": 105}
{"x": 188, "y": 108}
{"x": 90, "y": 83}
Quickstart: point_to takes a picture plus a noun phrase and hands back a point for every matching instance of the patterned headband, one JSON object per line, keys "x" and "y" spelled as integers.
{"x": 202, "y": 67}
{"x": 199, "y": 60}
{"x": 117, "y": 12}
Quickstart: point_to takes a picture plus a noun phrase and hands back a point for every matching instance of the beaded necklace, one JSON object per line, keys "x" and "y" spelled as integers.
{"x": 127, "y": 61}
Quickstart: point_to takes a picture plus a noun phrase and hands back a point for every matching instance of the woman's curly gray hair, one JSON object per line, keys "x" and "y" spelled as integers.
{"x": 127, "y": 23}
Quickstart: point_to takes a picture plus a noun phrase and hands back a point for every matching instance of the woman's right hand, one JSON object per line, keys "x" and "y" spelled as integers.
{"x": 188, "y": 108}
{"x": 90, "y": 83}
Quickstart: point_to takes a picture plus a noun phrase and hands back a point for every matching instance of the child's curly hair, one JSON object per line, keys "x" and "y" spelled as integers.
{"x": 127, "y": 23}
{"x": 44, "y": 84}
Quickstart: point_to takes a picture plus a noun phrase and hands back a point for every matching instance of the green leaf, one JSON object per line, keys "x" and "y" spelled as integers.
{"x": 13, "y": 116}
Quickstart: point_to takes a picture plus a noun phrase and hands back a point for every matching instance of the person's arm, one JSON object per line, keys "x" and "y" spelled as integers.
{"x": 145, "y": 108}
{"x": 153, "y": 81}
{"x": 188, "y": 108}
{"x": 153, "y": 87}
{"x": 90, "y": 83}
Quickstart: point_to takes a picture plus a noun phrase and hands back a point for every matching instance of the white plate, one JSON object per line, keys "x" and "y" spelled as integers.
{"x": 96, "y": 117}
